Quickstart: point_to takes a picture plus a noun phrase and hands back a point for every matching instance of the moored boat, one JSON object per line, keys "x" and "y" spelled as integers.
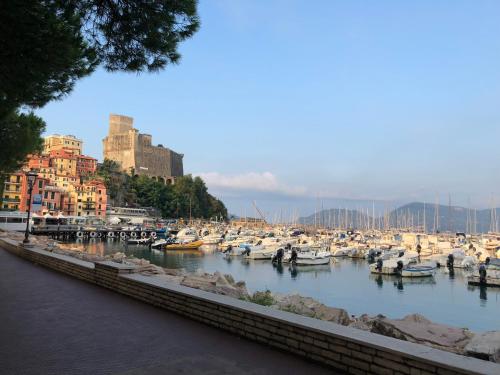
{"x": 139, "y": 241}
{"x": 194, "y": 245}
{"x": 419, "y": 270}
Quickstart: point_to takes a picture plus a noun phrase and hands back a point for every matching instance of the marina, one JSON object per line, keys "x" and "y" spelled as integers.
{"x": 444, "y": 297}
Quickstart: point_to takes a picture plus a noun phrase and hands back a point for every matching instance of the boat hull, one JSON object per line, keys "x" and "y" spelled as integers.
{"x": 188, "y": 246}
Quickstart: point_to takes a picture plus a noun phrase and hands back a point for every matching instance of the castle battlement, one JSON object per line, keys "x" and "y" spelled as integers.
{"x": 135, "y": 152}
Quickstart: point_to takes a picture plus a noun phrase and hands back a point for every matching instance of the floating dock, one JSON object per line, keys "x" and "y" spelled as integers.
{"x": 74, "y": 233}
{"x": 474, "y": 280}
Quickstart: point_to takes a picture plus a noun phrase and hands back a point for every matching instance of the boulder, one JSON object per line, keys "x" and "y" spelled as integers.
{"x": 118, "y": 257}
{"x": 365, "y": 322}
{"x": 416, "y": 328}
{"x": 307, "y": 306}
{"x": 149, "y": 269}
{"x": 199, "y": 282}
{"x": 215, "y": 283}
{"x": 485, "y": 346}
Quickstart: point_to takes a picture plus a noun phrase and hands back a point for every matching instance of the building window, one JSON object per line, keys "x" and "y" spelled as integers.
{"x": 52, "y": 195}
{"x": 46, "y": 195}
{"x": 40, "y": 184}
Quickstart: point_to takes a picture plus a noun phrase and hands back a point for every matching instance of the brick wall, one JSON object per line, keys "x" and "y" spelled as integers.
{"x": 343, "y": 348}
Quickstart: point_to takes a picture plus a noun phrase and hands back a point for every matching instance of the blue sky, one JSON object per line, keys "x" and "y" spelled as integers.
{"x": 284, "y": 101}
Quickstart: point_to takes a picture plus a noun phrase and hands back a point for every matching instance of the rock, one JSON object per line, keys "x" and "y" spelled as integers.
{"x": 365, "y": 322}
{"x": 485, "y": 346}
{"x": 174, "y": 271}
{"x": 307, "y": 306}
{"x": 215, "y": 283}
{"x": 172, "y": 279}
{"x": 149, "y": 269}
{"x": 199, "y": 282}
{"x": 118, "y": 257}
{"x": 416, "y": 328}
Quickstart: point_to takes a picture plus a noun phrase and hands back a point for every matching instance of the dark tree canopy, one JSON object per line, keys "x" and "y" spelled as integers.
{"x": 187, "y": 197}
{"x": 20, "y": 135}
{"x": 48, "y": 45}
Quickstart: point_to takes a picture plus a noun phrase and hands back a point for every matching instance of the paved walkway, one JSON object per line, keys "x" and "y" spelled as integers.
{"x": 53, "y": 324}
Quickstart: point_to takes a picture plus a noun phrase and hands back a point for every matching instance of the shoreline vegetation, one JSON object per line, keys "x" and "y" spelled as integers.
{"x": 187, "y": 197}
{"x": 413, "y": 328}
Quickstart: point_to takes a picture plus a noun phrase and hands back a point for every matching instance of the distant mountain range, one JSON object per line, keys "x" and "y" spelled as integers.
{"x": 442, "y": 218}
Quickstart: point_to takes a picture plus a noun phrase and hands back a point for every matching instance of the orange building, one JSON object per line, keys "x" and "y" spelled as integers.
{"x": 65, "y": 182}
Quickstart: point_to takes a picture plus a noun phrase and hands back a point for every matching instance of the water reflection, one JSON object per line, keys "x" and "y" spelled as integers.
{"x": 346, "y": 283}
{"x": 483, "y": 293}
{"x": 400, "y": 282}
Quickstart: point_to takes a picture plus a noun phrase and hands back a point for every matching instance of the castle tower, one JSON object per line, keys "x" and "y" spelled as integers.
{"x": 135, "y": 152}
{"x": 120, "y": 143}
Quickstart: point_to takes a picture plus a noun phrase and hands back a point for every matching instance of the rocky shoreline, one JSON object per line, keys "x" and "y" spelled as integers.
{"x": 413, "y": 328}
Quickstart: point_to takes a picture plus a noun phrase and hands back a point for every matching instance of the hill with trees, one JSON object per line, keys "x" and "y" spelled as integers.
{"x": 188, "y": 197}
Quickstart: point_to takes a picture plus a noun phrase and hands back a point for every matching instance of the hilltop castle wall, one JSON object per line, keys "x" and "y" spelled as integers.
{"x": 134, "y": 151}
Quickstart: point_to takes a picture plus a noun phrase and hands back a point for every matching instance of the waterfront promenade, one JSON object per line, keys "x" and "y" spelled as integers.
{"x": 55, "y": 324}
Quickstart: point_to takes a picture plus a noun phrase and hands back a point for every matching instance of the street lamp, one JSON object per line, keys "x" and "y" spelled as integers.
{"x": 31, "y": 177}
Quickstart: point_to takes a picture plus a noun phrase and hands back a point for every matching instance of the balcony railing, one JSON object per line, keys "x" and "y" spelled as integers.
{"x": 12, "y": 200}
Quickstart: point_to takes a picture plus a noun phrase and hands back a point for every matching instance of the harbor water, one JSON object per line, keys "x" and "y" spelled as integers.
{"x": 345, "y": 283}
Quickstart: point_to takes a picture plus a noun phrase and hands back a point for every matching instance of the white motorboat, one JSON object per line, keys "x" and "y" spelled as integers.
{"x": 159, "y": 243}
{"x": 313, "y": 258}
{"x": 138, "y": 241}
{"x": 260, "y": 252}
{"x": 242, "y": 249}
{"x": 341, "y": 252}
{"x": 419, "y": 270}
{"x": 212, "y": 239}
{"x": 389, "y": 267}
{"x": 187, "y": 235}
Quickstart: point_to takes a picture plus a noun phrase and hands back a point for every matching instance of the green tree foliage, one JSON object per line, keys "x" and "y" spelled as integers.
{"x": 48, "y": 45}
{"x": 188, "y": 197}
{"x": 20, "y": 135}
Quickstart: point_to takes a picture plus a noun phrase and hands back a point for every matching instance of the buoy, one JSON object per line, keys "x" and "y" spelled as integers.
{"x": 133, "y": 234}
{"x": 99, "y": 234}
{"x": 144, "y": 234}
{"x": 153, "y": 234}
{"x": 111, "y": 234}
{"x": 93, "y": 234}
{"x": 79, "y": 234}
{"x": 123, "y": 234}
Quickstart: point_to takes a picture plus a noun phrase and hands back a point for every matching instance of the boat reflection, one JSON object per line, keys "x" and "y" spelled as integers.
{"x": 400, "y": 282}
{"x": 311, "y": 270}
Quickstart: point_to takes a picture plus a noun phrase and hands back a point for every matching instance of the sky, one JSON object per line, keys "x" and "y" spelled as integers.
{"x": 294, "y": 102}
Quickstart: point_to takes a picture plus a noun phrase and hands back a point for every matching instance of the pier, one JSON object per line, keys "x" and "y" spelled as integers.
{"x": 70, "y": 232}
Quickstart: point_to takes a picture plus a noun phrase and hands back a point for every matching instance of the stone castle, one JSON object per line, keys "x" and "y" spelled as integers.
{"x": 136, "y": 154}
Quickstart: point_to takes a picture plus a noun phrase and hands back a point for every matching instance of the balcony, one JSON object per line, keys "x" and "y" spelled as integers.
{"x": 11, "y": 200}
{"x": 12, "y": 191}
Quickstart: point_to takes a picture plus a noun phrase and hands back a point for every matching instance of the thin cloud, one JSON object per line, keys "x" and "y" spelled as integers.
{"x": 251, "y": 181}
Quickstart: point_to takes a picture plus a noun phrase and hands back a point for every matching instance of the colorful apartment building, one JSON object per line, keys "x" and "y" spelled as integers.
{"x": 65, "y": 183}
{"x": 63, "y": 142}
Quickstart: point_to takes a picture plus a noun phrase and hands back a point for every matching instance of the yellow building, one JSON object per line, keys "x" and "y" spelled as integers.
{"x": 60, "y": 142}
{"x": 12, "y": 193}
{"x": 89, "y": 198}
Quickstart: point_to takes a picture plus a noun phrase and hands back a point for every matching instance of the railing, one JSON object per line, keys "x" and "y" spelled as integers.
{"x": 12, "y": 200}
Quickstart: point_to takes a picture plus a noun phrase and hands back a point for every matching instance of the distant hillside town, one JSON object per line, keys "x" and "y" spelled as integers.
{"x": 68, "y": 181}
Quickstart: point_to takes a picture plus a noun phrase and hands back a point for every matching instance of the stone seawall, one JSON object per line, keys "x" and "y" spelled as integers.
{"x": 343, "y": 348}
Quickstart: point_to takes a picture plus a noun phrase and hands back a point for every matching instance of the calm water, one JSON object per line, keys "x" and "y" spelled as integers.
{"x": 346, "y": 284}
